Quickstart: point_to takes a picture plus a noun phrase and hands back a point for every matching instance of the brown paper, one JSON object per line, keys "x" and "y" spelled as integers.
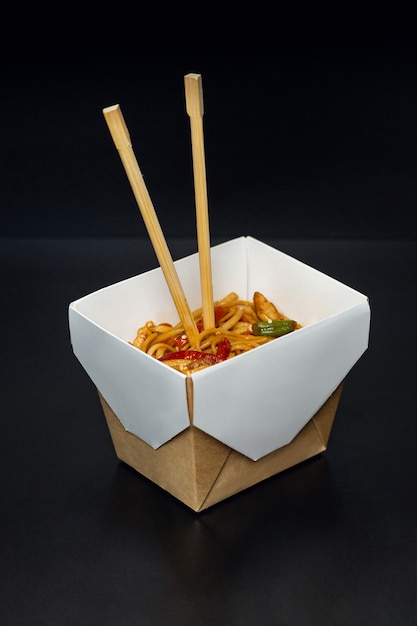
{"x": 200, "y": 471}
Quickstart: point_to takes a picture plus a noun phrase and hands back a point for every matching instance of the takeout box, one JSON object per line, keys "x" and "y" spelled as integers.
{"x": 208, "y": 436}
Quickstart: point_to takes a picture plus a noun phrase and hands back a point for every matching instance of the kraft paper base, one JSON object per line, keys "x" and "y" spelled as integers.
{"x": 200, "y": 471}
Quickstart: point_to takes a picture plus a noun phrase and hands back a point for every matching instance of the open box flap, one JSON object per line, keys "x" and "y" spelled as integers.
{"x": 259, "y": 402}
{"x": 262, "y": 402}
{"x": 256, "y": 402}
{"x": 131, "y": 382}
{"x": 103, "y": 322}
{"x": 201, "y": 471}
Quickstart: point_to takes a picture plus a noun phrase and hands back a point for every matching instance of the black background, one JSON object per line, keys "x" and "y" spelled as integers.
{"x": 310, "y": 133}
{"x": 310, "y": 126}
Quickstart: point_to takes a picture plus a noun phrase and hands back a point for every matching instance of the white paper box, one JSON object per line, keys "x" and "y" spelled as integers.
{"x": 254, "y": 403}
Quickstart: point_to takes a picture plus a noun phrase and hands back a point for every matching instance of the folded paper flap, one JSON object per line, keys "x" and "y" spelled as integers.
{"x": 129, "y": 380}
{"x": 283, "y": 383}
{"x": 200, "y": 471}
{"x": 316, "y": 296}
{"x": 323, "y": 419}
{"x": 265, "y": 382}
{"x": 187, "y": 466}
{"x": 239, "y": 472}
{"x": 209, "y": 457}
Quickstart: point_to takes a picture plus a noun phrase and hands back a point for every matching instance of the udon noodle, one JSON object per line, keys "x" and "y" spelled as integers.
{"x": 240, "y": 325}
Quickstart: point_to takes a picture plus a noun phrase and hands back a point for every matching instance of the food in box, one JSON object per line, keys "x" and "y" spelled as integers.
{"x": 207, "y": 436}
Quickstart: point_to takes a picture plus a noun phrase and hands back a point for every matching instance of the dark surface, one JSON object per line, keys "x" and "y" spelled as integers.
{"x": 310, "y": 137}
{"x": 86, "y": 540}
{"x": 309, "y": 132}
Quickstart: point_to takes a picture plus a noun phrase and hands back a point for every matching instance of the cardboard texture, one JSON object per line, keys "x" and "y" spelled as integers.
{"x": 205, "y": 437}
{"x": 200, "y": 471}
{"x": 265, "y": 382}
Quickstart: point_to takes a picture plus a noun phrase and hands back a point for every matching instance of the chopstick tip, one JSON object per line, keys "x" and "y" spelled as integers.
{"x": 110, "y": 109}
{"x": 194, "y": 95}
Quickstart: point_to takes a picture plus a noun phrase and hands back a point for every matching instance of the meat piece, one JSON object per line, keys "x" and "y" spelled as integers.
{"x": 264, "y": 309}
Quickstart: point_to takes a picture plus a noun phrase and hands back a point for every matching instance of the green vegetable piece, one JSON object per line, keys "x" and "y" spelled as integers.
{"x": 276, "y": 328}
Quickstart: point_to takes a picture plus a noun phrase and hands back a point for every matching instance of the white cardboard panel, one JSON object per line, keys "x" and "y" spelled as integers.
{"x": 149, "y": 401}
{"x": 260, "y": 403}
{"x": 269, "y": 394}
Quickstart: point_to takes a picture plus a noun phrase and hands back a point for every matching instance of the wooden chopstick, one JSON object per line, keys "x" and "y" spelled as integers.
{"x": 121, "y": 138}
{"x": 195, "y": 109}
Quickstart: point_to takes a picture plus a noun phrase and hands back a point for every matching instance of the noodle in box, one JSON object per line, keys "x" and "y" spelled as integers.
{"x": 207, "y": 434}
